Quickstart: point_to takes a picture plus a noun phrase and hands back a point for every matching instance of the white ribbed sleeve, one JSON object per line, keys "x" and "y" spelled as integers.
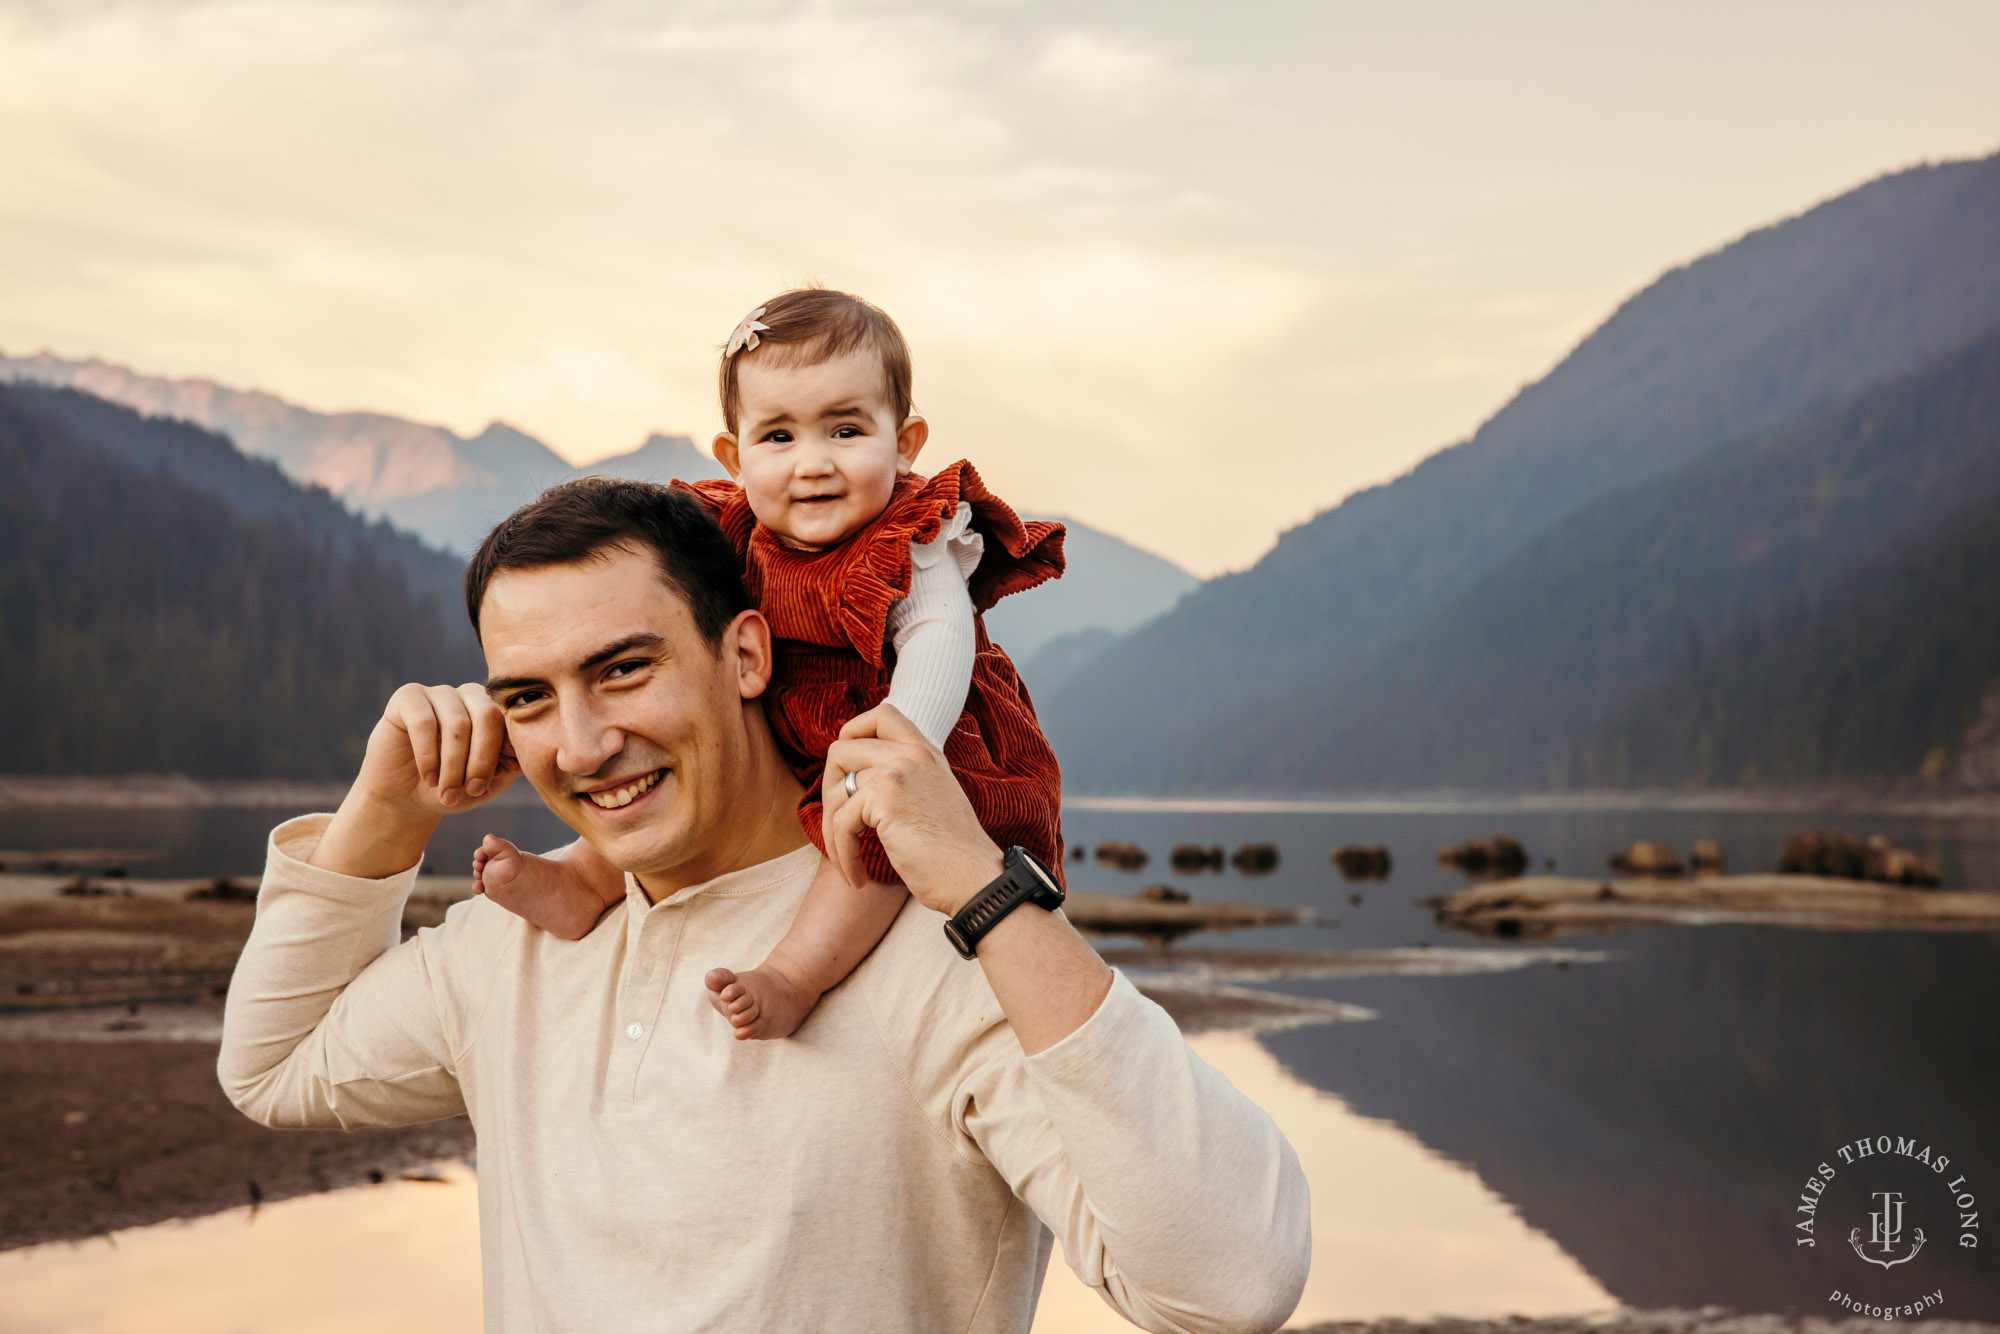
{"x": 932, "y": 629}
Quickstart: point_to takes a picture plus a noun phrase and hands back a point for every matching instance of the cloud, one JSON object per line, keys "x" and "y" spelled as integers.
{"x": 1104, "y": 73}
{"x": 1187, "y": 279}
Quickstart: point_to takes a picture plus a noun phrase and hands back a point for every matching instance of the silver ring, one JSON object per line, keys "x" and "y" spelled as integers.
{"x": 853, "y": 781}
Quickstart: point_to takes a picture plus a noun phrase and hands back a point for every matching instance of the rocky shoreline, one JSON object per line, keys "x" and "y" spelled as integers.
{"x": 139, "y": 791}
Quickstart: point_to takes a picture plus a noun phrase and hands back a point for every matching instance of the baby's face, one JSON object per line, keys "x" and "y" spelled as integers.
{"x": 818, "y": 448}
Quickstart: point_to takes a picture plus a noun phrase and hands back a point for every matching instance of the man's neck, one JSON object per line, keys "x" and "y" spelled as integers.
{"x": 764, "y": 824}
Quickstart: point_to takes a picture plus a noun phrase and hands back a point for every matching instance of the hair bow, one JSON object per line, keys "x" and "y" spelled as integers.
{"x": 745, "y": 338}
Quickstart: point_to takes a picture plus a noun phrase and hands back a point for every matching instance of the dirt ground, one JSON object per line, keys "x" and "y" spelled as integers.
{"x": 110, "y": 1012}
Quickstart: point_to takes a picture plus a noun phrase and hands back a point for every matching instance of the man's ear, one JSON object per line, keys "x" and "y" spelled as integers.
{"x": 725, "y": 453}
{"x": 746, "y": 641}
{"x": 910, "y": 442}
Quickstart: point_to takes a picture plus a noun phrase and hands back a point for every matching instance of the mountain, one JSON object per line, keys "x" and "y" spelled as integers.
{"x": 1108, "y": 587}
{"x": 1801, "y": 605}
{"x": 254, "y": 488}
{"x": 426, "y": 479}
{"x": 450, "y": 490}
{"x": 1800, "y": 314}
{"x": 152, "y": 627}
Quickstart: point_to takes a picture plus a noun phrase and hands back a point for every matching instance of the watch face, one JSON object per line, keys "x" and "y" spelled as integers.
{"x": 1043, "y": 884}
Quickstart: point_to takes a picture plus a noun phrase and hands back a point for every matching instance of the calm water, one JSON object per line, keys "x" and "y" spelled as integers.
{"x": 1646, "y": 1121}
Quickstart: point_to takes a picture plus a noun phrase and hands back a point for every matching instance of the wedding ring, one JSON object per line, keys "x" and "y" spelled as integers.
{"x": 853, "y": 779}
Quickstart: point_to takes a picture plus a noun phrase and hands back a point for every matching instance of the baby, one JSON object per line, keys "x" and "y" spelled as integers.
{"x": 873, "y": 580}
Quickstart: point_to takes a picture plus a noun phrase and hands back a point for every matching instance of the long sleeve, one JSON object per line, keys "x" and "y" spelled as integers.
{"x": 330, "y": 1022}
{"x": 1172, "y": 1194}
{"x": 932, "y": 630}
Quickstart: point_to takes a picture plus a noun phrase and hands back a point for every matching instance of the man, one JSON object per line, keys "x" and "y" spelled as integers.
{"x": 904, "y": 1162}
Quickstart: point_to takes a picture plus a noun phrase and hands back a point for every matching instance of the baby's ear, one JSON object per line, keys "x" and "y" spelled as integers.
{"x": 910, "y": 442}
{"x": 725, "y": 453}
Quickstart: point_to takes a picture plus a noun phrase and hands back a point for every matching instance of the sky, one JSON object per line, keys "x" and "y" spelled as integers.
{"x": 1190, "y": 273}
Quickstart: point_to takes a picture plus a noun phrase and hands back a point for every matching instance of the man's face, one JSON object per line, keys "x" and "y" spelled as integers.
{"x": 630, "y": 726}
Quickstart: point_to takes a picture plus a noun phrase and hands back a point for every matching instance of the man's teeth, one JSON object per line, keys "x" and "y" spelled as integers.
{"x": 624, "y": 796}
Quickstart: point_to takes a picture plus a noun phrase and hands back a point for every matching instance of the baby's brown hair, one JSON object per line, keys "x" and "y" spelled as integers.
{"x": 816, "y": 324}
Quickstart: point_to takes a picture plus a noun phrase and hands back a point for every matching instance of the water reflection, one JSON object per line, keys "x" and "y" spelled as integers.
{"x": 1634, "y": 1131}
{"x": 388, "y": 1259}
{"x": 1398, "y": 1230}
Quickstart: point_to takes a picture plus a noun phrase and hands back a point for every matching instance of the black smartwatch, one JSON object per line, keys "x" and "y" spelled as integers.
{"x": 1023, "y": 879}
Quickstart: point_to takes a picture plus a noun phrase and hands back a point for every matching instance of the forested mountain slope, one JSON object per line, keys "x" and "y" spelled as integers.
{"x": 1803, "y": 604}
{"x": 150, "y": 627}
{"x": 1855, "y": 291}
{"x": 254, "y": 488}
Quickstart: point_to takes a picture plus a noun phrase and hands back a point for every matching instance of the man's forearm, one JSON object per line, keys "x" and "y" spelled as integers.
{"x": 1048, "y": 979}
{"x": 370, "y": 842}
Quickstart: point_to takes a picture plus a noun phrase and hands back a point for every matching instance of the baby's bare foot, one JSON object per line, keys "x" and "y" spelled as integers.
{"x": 760, "y": 1003}
{"x": 546, "y": 891}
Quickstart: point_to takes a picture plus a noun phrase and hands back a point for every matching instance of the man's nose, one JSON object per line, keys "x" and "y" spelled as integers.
{"x": 589, "y": 740}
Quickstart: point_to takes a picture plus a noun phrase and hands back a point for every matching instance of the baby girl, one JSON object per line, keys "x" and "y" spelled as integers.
{"x": 873, "y": 579}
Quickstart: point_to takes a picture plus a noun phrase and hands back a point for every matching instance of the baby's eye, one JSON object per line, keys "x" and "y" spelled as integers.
{"x": 846, "y": 432}
{"x": 778, "y": 438}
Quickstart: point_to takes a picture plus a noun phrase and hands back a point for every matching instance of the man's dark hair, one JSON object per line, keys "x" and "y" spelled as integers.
{"x": 576, "y": 520}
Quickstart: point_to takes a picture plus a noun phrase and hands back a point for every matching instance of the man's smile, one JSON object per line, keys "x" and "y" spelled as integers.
{"x": 619, "y": 795}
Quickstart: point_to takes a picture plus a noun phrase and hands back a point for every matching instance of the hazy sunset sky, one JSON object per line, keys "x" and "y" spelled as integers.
{"x": 1189, "y": 272}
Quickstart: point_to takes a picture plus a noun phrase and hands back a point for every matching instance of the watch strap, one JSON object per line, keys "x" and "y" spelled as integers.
{"x": 1022, "y": 879}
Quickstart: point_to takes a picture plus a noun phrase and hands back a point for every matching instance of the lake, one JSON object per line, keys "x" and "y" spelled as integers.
{"x": 1628, "y": 1125}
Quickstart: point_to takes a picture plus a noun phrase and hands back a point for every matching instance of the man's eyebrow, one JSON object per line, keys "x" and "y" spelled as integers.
{"x": 643, "y": 640}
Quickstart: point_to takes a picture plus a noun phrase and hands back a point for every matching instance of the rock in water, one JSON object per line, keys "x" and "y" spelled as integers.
{"x": 1164, "y": 894}
{"x": 1844, "y": 857}
{"x": 1501, "y": 857}
{"x": 1188, "y": 858}
{"x": 1363, "y": 863}
{"x": 1706, "y": 858}
{"x": 1124, "y": 856}
{"x": 1255, "y": 859}
{"x": 1644, "y": 858}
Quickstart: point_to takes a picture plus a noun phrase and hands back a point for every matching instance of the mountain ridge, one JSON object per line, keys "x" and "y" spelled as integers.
{"x": 1850, "y": 292}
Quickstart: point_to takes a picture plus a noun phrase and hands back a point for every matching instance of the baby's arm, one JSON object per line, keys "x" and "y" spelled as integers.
{"x": 564, "y": 893}
{"x": 932, "y": 630}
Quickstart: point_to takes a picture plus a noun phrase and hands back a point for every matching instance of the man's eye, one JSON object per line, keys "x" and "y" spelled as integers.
{"x": 523, "y": 698}
{"x": 625, "y": 668}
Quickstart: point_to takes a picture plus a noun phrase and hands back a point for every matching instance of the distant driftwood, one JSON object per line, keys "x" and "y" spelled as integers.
{"x": 1540, "y": 906}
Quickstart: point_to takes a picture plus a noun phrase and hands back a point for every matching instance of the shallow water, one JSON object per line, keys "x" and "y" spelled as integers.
{"x": 1537, "y": 1140}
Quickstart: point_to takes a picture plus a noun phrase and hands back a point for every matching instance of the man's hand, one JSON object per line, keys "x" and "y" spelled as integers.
{"x": 1046, "y": 977}
{"x": 905, "y": 792}
{"x": 435, "y": 750}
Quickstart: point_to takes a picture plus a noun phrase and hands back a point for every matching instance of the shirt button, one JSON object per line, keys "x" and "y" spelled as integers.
{"x": 635, "y": 1031}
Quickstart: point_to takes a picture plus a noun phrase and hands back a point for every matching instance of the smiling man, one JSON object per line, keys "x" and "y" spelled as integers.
{"x": 904, "y": 1162}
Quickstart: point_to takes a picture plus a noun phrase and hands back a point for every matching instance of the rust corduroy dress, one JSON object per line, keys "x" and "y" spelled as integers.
{"x": 829, "y": 612}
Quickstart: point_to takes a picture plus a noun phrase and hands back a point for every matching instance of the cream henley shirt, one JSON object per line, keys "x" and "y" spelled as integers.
{"x": 898, "y": 1164}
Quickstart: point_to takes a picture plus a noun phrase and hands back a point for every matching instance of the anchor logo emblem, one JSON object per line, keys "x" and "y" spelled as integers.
{"x": 1885, "y": 1231}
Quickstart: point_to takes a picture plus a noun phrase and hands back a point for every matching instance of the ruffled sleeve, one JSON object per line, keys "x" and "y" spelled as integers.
{"x": 1018, "y": 555}
{"x": 957, "y": 540}
{"x": 843, "y": 597}
{"x": 731, "y": 508}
